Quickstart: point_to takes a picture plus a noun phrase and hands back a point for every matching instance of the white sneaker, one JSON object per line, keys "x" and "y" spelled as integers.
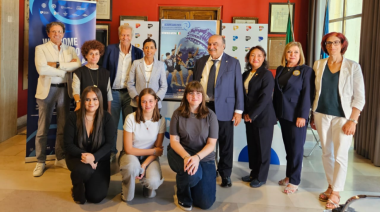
{"x": 60, "y": 163}
{"x": 184, "y": 206}
{"x": 39, "y": 170}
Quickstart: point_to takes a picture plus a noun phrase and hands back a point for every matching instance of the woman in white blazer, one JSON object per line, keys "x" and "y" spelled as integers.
{"x": 339, "y": 99}
{"x": 147, "y": 72}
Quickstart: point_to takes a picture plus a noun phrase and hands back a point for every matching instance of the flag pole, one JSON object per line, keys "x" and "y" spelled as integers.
{"x": 324, "y": 24}
{"x": 291, "y": 22}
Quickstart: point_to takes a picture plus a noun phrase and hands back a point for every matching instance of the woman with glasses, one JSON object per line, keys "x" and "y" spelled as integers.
{"x": 339, "y": 98}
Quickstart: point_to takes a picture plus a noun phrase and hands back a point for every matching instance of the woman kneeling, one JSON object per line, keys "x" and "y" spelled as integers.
{"x": 193, "y": 135}
{"x": 143, "y": 135}
{"x": 88, "y": 137}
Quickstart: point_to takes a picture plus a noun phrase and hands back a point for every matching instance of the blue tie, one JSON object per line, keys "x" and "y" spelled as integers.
{"x": 211, "y": 80}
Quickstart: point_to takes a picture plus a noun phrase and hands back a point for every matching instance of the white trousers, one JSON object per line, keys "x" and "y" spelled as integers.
{"x": 335, "y": 145}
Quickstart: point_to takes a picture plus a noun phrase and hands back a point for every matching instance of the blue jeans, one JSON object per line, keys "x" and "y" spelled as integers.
{"x": 121, "y": 102}
{"x": 198, "y": 190}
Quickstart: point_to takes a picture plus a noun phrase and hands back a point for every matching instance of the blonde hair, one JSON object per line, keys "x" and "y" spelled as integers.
{"x": 287, "y": 47}
{"x": 125, "y": 26}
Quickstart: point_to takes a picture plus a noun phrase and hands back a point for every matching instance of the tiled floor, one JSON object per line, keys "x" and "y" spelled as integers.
{"x": 20, "y": 191}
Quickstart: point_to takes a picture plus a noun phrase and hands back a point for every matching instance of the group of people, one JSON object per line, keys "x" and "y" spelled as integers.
{"x": 133, "y": 82}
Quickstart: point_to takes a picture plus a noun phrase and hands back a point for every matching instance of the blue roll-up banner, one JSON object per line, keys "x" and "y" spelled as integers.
{"x": 79, "y": 18}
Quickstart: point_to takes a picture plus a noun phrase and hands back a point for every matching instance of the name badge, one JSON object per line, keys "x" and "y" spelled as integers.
{"x": 296, "y": 73}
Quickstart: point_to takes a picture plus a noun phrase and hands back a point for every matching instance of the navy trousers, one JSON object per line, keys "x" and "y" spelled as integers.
{"x": 259, "y": 143}
{"x": 199, "y": 189}
{"x": 294, "y": 140}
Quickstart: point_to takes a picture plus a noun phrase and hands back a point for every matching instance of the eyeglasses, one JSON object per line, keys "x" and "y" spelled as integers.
{"x": 56, "y": 32}
{"x": 329, "y": 43}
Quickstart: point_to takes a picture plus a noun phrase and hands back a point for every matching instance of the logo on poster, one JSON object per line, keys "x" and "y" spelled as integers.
{"x": 137, "y": 45}
{"x": 247, "y": 49}
{"x": 261, "y": 28}
{"x": 248, "y": 28}
{"x": 186, "y": 25}
{"x": 53, "y": 6}
{"x": 150, "y": 35}
{"x": 234, "y": 48}
{"x": 43, "y": 5}
{"x": 137, "y": 35}
{"x": 150, "y": 26}
{"x": 234, "y": 37}
{"x": 138, "y": 25}
{"x": 223, "y": 27}
{"x": 236, "y": 27}
{"x": 260, "y": 38}
{"x": 224, "y": 36}
{"x": 247, "y": 38}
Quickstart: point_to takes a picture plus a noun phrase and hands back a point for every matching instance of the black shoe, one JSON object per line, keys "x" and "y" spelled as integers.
{"x": 256, "y": 183}
{"x": 226, "y": 182}
{"x": 248, "y": 178}
{"x": 184, "y": 206}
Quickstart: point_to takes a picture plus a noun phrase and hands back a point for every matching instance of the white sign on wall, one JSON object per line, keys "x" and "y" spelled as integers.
{"x": 142, "y": 30}
{"x": 241, "y": 37}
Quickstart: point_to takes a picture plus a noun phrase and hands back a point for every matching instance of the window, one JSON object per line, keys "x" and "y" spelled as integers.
{"x": 345, "y": 16}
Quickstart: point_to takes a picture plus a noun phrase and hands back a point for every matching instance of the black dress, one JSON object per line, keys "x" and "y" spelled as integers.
{"x": 90, "y": 77}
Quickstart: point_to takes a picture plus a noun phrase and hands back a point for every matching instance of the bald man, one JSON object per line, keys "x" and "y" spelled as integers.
{"x": 221, "y": 77}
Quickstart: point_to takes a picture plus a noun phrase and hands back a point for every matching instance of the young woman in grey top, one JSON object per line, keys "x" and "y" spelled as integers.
{"x": 193, "y": 135}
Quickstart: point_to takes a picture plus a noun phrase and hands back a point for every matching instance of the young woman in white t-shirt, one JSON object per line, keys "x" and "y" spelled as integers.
{"x": 143, "y": 135}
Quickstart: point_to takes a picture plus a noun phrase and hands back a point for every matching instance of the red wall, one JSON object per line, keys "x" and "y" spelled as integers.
{"x": 230, "y": 8}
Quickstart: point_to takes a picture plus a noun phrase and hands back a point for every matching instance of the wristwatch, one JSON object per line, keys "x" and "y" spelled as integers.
{"x": 77, "y": 101}
{"x": 353, "y": 120}
{"x": 57, "y": 65}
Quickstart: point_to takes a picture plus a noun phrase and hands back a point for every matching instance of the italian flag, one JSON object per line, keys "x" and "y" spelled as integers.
{"x": 178, "y": 33}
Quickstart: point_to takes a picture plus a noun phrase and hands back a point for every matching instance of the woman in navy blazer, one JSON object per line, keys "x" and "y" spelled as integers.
{"x": 259, "y": 115}
{"x": 293, "y": 93}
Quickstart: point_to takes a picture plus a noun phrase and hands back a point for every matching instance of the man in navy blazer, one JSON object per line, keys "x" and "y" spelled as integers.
{"x": 220, "y": 76}
{"x": 118, "y": 60}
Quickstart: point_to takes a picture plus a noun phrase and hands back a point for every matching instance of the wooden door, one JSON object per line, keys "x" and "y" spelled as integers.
{"x": 192, "y": 13}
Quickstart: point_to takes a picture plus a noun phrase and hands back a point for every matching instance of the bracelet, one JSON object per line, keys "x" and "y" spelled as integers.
{"x": 154, "y": 151}
{"x": 186, "y": 156}
{"x": 353, "y": 120}
{"x": 199, "y": 157}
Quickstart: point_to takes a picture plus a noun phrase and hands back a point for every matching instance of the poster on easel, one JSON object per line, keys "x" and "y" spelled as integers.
{"x": 79, "y": 19}
{"x": 182, "y": 42}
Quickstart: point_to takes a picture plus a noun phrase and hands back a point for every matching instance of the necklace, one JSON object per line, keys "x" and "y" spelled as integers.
{"x": 97, "y": 77}
{"x": 147, "y": 127}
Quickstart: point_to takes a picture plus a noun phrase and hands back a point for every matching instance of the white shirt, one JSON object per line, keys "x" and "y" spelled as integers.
{"x": 144, "y": 135}
{"x": 206, "y": 72}
{"x": 123, "y": 68}
{"x": 58, "y": 56}
{"x": 148, "y": 72}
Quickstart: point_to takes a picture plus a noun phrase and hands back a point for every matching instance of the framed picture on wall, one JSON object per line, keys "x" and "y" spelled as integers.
{"x": 134, "y": 18}
{"x": 278, "y": 17}
{"x": 245, "y": 20}
{"x": 103, "y": 33}
{"x": 276, "y": 46}
{"x": 103, "y": 10}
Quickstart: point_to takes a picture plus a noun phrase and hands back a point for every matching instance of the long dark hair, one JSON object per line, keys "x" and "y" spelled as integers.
{"x": 184, "y": 108}
{"x": 139, "y": 112}
{"x": 97, "y": 132}
{"x": 265, "y": 63}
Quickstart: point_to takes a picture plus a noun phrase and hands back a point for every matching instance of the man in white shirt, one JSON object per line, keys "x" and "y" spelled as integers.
{"x": 54, "y": 63}
{"x": 118, "y": 60}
